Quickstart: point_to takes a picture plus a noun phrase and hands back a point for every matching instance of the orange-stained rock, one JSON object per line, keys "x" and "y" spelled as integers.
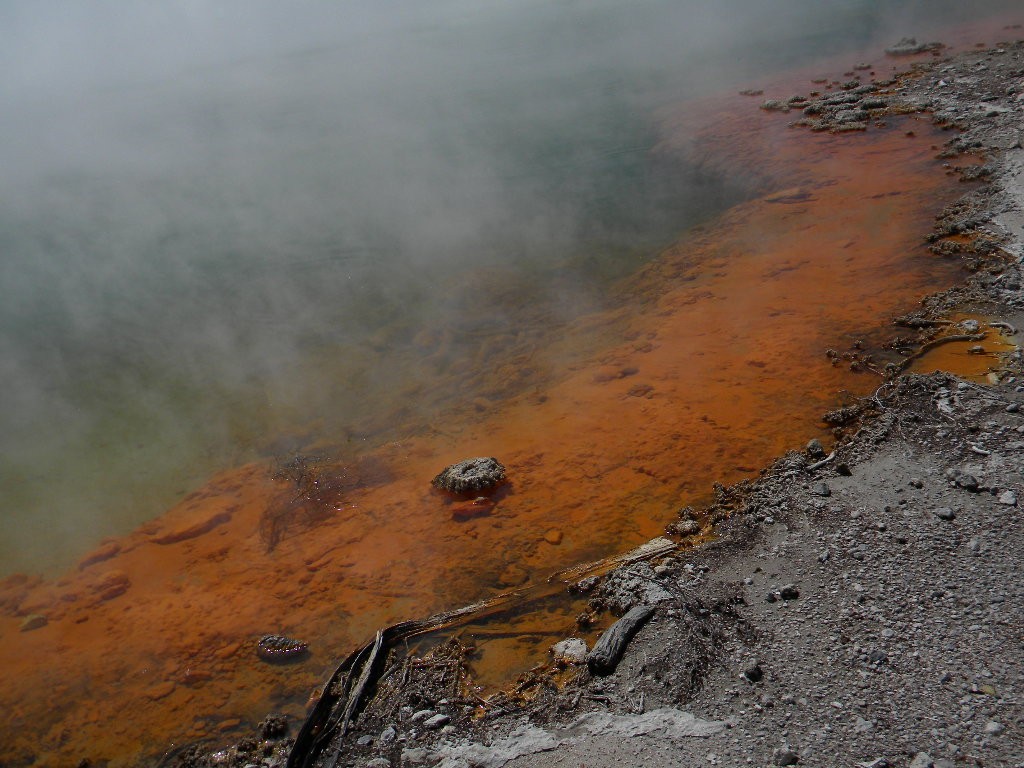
{"x": 13, "y": 591}
{"x": 160, "y": 690}
{"x": 110, "y": 585}
{"x": 102, "y": 553}
{"x": 33, "y": 621}
{"x": 187, "y": 532}
{"x": 466, "y": 510}
{"x": 553, "y": 536}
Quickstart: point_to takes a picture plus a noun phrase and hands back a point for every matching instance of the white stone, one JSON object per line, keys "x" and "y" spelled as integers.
{"x": 573, "y": 650}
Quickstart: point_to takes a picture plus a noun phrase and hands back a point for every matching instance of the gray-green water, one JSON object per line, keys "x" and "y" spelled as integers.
{"x": 223, "y": 225}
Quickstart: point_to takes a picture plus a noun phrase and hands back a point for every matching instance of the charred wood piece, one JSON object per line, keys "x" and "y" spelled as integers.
{"x": 608, "y": 651}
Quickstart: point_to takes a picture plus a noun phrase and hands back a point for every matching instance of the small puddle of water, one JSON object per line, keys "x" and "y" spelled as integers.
{"x": 976, "y": 359}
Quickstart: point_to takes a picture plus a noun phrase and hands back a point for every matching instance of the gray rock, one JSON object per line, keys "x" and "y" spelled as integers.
{"x": 821, "y": 489}
{"x": 686, "y": 527}
{"x": 944, "y": 513}
{"x": 815, "y": 449}
{"x": 379, "y": 762}
{"x": 922, "y": 760}
{"x": 785, "y": 756}
{"x": 388, "y": 735}
{"x": 852, "y": 116}
{"x": 994, "y": 728}
{"x": 415, "y": 756}
{"x": 908, "y": 46}
{"x": 572, "y": 650}
{"x": 633, "y": 585}
{"x": 789, "y": 592}
{"x": 963, "y": 479}
{"x": 365, "y": 740}
{"x": 437, "y": 721}
{"x": 422, "y": 715}
{"x": 1009, "y": 498}
{"x": 470, "y": 476}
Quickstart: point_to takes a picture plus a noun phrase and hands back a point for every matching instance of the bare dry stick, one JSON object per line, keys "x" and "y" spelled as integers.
{"x": 822, "y": 463}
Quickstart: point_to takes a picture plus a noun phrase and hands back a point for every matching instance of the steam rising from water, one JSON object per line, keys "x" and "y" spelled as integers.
{"x": 223, "y": 223}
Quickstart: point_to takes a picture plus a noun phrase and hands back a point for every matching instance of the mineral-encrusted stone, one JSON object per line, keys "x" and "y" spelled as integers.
{"x": 471, "y": 476}
{"x": 908, "y": 46}
{"x": 274, "y": 648}
{"x": 572, "y": 650}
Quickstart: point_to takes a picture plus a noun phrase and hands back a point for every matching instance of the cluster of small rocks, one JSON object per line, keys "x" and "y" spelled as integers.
{"x": 851, "y": 108}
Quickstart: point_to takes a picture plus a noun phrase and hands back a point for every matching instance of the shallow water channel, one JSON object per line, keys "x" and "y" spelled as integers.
{"x": 662, "y": 327}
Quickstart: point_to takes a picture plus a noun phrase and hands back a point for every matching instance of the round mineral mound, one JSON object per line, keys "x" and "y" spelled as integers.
{"x": 471, "y": 476}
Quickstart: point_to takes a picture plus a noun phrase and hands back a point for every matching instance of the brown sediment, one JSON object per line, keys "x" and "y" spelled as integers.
{"x": 716, "y": 367}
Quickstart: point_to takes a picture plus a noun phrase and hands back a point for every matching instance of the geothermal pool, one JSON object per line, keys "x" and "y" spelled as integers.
{"x": 253, "y": 312}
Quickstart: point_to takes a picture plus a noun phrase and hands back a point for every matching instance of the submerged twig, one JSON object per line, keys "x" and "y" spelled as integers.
{"x": 928, "y": 347}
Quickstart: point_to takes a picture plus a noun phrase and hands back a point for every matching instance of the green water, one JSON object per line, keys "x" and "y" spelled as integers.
{"x": 224, "y": 232}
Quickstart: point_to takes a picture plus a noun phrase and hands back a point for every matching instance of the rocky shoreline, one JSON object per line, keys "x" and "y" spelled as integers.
{"x": 861, "y": 608}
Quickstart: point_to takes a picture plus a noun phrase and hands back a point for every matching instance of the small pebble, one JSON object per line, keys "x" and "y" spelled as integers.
{"x": 785, "y": 756}
{"x": 994, "y": 728}
{"x": 435, "y": 722}
{"x": 789, "y": 592}
{"x": 944, "y": 513}
{"x": 32, "y": 621}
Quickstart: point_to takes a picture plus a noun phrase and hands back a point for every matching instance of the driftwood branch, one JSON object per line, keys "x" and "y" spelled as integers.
{"x": 608, "y": 651}
{"x": 822, "y": 463}
{"x": 1004, "y": 326}
{"x": 320, "y": 740}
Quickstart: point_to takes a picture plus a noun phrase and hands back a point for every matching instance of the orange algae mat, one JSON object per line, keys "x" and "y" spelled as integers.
{"x": 712, "y": 365}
